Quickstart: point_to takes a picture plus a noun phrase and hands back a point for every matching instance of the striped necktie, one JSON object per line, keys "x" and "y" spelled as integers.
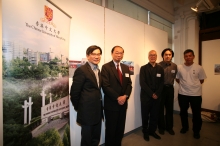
{"x": 119, "y": 73}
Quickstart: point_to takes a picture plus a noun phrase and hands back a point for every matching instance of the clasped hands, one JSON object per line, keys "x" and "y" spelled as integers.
{"x": 121, "y": 99}
{"x": 154, "y": 96}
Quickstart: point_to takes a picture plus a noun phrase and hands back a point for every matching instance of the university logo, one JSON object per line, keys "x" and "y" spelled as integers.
{"x": 48, "y": 13}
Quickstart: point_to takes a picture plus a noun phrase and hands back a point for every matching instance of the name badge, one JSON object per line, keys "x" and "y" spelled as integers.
{"x": 173, "y": 71}
{"x": 127, "y": 75}
{"x": 158, "y": 75}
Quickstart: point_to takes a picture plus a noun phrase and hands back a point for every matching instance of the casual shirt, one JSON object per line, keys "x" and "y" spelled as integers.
{"x": 189, "y": 79}
{"x": 170, "y": 71}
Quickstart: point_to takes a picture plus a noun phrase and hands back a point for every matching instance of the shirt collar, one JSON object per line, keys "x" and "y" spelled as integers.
{"x": 151, "y": 64}
{"x": 166, "y": 63}
{"x": 93, "y": 66}
{"x": 116, "y": 63}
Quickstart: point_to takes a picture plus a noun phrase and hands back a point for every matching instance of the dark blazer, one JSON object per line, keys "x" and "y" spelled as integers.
{"x": 146, "y": 81}
{"x": 86, "y": 95}
{"x": 112, "y": 87}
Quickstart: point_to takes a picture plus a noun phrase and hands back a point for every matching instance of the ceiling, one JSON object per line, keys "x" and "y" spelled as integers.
{"x": 206, "y": 6}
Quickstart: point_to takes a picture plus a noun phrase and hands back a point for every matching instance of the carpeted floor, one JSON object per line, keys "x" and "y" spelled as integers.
{"x": 210, "y": 136}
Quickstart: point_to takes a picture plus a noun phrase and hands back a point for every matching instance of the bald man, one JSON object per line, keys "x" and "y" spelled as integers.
{"x": 151, "y": 82}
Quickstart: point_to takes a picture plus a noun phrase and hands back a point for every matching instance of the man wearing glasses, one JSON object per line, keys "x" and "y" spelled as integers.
{"x": 151, "y": 81}
{"x": 117, "y": 89}
{"x": 86, "y": 97}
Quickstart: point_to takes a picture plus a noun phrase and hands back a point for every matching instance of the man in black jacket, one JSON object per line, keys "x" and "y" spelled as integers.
{"x": 86, "y": 97}
{"x": 117, "y": 89}
{"x": 151, "y": 81}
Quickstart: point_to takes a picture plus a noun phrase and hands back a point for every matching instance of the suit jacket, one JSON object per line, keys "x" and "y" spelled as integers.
{"x": 146, "y": 81}
{"x": 112, "y": 87}
{"x": 86, "y": 95}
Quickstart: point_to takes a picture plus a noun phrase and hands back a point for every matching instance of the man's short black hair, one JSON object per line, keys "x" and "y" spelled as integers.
{"x": 90, "y": 49}
{"x": 188, "y": 51}
{"x": 115, "y": 47}
{"x": 167, "y": 49}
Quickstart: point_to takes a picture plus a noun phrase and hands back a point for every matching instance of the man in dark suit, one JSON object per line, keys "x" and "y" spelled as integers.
{"x": 86, "y": 97}
{"x": 151, "y": 81}
{"x": 117, "y": 89}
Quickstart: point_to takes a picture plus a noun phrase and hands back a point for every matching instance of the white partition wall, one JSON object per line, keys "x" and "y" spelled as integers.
{"x": 210, "y": 87}
{"x": 95, "y": 25}
{"x": 155, "y": 39}
{"x": 87, "y": 28}
{"x": 129, "y": 34}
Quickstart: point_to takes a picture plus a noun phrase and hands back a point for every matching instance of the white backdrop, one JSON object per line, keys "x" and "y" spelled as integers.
{"x": 119, "y": 30}
{"x": 94, "y": 25}
{"x": 87, "y": 28}
{"x": 210, "y": 89}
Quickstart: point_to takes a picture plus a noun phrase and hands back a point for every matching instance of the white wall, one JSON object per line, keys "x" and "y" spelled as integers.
{"x": 93, "y": 25}
{"x": 119, "y": 31}
{"x": 210, "y": 89}
{"x": 155, "y": 39}
{"x": 87, "y": 28}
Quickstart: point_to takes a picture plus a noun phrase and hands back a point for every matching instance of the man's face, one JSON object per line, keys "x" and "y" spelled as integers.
{"x": 117, "y": 54}
{"x": 167, "y": 56}
{"x": 152, "y": 56}
{"x": 189, "y": 57}
{"x": 94, "y": 57}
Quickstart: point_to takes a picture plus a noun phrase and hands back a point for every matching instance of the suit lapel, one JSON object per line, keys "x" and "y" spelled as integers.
{"x": 92, "y": 74}
{"x": 115, "y": 71}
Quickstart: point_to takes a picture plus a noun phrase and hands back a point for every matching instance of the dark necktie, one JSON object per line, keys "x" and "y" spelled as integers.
{"x": 119, "y": 74}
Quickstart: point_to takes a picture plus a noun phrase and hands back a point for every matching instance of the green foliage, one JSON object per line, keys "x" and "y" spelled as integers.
{"x": 41, "y": 71}
{"x": 19, "y": 68}
{"x": 12, "y": 115}
{"x": 65, "y": 140}
{"x": 66, "y": 136}
{"x": 4, "y": 67}
{"x": 49, "y": 138}
{"x": 23, "y": 69}
{"x": 21, "y": 81}
{"x": 16, "y": 135}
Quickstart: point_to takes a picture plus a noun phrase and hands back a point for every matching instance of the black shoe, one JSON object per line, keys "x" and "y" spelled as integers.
{"x": 161, "y": 132}
{"x": 171, "y": 132}
{"x": 196, "y": 135}
{"x": 155, "y": 135}
{"x": 146, "y": 137}
{"x": 183, "y": 130}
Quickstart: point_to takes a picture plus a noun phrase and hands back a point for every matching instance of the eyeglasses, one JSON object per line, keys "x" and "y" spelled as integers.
{"x": 152, "y": 55}
{"x": 94, "y": 54}
{"x": 119, "y": 53}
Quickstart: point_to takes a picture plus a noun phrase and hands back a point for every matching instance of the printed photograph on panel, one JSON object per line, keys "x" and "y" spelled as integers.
{"x": 130, "y": 64}
{"x": 35, "y": 50}
{"x": 217, "y": 69}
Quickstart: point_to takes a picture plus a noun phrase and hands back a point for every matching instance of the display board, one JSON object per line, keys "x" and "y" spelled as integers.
{"x": 211, "y": 64}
